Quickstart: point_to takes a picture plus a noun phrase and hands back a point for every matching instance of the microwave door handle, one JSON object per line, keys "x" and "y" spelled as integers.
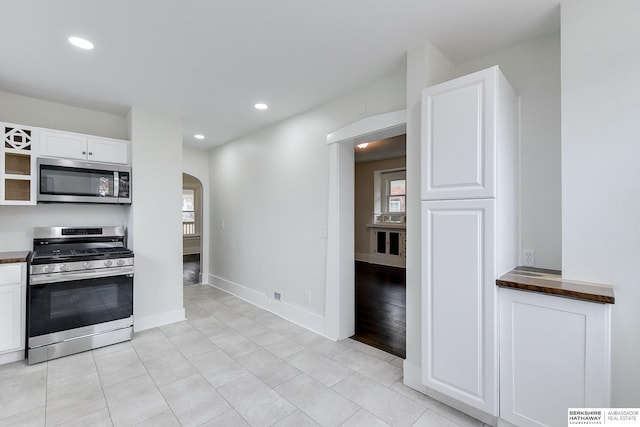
{"x": 116, "y": 184}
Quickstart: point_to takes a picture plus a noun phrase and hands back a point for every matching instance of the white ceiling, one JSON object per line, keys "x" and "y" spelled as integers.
{"x": 388, "y": 148}
{"x": 209, "y": 61}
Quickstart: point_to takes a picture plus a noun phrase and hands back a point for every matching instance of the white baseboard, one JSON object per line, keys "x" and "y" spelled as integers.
{"x": 141, "y": 323}
{"x": 389, "y": 261}
{"x": 413, "y": 377}
{"x": 11, "y": 357}
{"x": 292, "y": 313}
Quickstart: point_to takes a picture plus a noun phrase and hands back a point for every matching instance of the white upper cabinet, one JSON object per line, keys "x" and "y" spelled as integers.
{"x": 462, "y": 129}
{"x": 71, "y": 145}
{"x": 18, "y": 164}
{"x": 63, "y": 144}
{"x": 107, "y": 150}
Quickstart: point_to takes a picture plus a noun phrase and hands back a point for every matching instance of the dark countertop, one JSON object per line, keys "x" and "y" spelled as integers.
{"x": 551, "y": 282}
{"x": 13, "y": 257}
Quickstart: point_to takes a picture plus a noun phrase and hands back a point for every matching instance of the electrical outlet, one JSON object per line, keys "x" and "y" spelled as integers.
{"x": 529, "y": 257}
{"x": 277, "y": 296}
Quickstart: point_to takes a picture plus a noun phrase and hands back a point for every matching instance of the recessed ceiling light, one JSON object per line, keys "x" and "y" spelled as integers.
{"x": 363, "y": 145}
{"x": 198, "y": 136}
{"x": 81, "y": 43}
{"x": 261, "y": 106}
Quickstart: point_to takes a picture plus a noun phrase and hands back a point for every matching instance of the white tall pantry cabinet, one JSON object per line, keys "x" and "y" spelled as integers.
{"x": 469, "y": 231}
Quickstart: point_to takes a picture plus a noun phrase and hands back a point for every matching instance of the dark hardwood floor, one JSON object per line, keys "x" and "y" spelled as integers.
{"x": 190, "y": 269}
{"x": 381, "y": 303}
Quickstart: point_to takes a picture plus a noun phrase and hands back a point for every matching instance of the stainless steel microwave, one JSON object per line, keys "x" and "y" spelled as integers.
{"x": 78, "y": 181}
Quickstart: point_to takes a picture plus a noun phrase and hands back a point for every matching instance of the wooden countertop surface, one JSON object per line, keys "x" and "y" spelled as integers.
{"x": 13, "y": 257}
{"x": 551, "y": 282}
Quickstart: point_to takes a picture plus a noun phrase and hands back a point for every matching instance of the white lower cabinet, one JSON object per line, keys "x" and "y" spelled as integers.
{"x": 388, "y": 246}
{"x": 12, "y": 310}
{"x": 554, "y": 355}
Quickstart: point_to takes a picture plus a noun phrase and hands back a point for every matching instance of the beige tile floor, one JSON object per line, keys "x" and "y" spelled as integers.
{"x": 230, "y": 364}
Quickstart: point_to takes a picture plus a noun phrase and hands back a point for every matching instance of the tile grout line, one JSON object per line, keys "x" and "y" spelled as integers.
{"x": 424, "y": 407}
{"x": 106, "y": 403}
{"x": 154, "y": 383}
{"x": 236, "y": 361}
{"x": 231, "y": 407}
{"x": 258, "y": 378}
{"x": 46, "y": 393}
{"x": 311, "y": 349}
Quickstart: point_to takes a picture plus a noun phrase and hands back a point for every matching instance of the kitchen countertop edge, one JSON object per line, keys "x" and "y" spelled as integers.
{"x": 551, "y": 282}
{"x": 13, "y": 257}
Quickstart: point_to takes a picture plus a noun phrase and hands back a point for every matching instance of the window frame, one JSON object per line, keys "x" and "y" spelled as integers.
{"x": 195, "y": 224}
{"x": 385, "y": 189}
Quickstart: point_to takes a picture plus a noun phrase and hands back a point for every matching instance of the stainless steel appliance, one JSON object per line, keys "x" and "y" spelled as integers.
{"x": 80, "y": 292}
{"x": 77, "y": 181}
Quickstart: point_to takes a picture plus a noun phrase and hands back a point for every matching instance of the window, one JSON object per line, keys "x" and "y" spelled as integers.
{"x": 394, "y": 191}
{"x": 188, "y": 212}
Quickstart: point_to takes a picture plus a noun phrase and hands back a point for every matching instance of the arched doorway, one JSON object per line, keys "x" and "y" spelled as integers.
{"x": 191, "y": 229}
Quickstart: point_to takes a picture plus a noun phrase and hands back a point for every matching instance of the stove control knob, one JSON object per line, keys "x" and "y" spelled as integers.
{"x": 48, "y": 268}
{"x": 120, "y": 262}
{"x": 108, "y": 263}
{"x": 64, "y": 267}
{"x": 86, "y": 265}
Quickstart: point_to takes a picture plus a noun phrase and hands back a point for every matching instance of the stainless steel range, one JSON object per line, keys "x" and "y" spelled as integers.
{"x": 80, "y": 293}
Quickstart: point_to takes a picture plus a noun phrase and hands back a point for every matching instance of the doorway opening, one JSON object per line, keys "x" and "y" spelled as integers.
{"x": 191, "y": 230}
{"x": 380, "y": 244}
{"x": 340, "y": 275}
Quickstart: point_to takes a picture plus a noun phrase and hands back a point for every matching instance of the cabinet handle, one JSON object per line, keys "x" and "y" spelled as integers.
{"x": 90, "y": 153}
{"x": 84, "y": 152}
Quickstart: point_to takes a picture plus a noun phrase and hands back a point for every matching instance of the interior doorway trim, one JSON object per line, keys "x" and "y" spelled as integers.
{"x": 340, "y": 285}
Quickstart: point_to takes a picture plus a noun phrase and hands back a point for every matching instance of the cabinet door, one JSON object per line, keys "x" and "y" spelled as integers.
{"x": 459, "y": 301}
{"x": 12, "y": 307}
{"x": 381, "y": 241}
{"x": 18, "y": 174}
{"x": 63, "y": 144}
{"x": 554, "y": 355}
{"x": 458, "y": 138}
{"x": 107, "y": 150}
{"x": 393, "y": 240}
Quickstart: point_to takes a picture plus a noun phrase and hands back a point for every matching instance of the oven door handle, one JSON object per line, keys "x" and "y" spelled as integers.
{"x": 43, "y": 279}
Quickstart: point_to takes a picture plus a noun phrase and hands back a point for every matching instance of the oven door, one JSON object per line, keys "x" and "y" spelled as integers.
{"x": 58, "y": 311}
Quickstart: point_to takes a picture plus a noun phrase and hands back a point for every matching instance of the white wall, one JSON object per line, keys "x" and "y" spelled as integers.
{"x": 196, "y": 163}
{"x": 533, "y": 69}
{"x": 600, "y": 173}
{"x": 156, "y": 217}
{"x": 17, "y": 222}
{"x": 24, "y": 110}
{"x": 271, "y": 191}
